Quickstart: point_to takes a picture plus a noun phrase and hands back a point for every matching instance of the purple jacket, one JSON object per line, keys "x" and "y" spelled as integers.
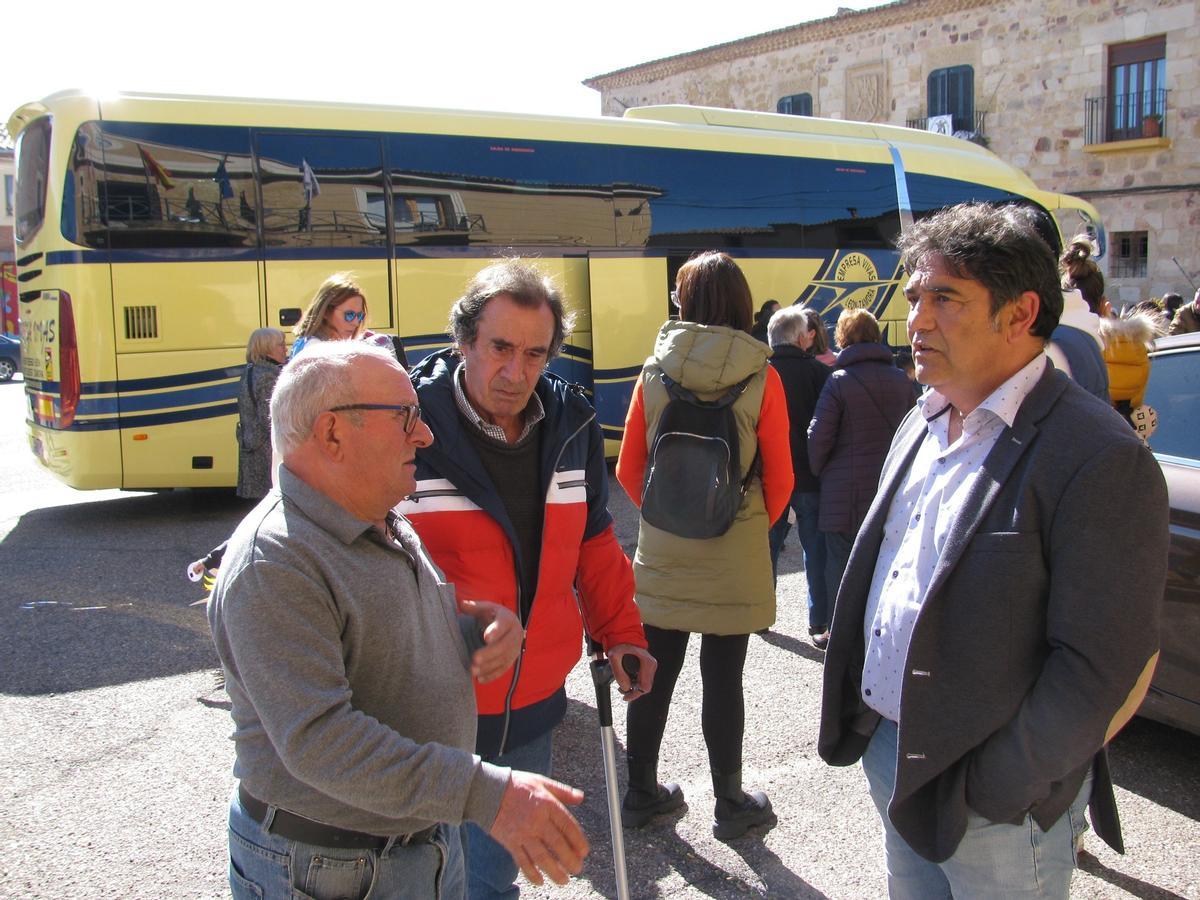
{"x": 857, "y": 414}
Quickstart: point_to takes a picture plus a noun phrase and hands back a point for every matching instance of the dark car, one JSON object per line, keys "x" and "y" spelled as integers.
{"x": 10, "y": 356}
{"x": 1174, "y": 392}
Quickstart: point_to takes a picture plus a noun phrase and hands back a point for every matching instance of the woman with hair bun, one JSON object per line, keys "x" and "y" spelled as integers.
{"x": 1126, "y": 339}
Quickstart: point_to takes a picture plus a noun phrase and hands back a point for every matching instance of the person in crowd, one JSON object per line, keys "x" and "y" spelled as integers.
{"x": 718, "y": 587}
{"x": 349, "y": 665}
{"x": 820, "y": 346}
{"x": 1126, "y": 338}
{"x": 983, "y": 653}
{"x": 791, "y": 341}
{"x": 857, "y": 413}
{"x": 512, "y": 503}
{"x": 1187, "y": 319}
{"x": 265, "y": 353}
{"x": 903, "y": 359}
{"x": 338, "y": 312}
{"x": 1170, "y": 305}
{"x": 1076, "y": 346}
{"x": 768, "y": 309}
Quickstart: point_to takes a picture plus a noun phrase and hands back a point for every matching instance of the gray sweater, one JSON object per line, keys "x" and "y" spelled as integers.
{"x": 347, "y": 665}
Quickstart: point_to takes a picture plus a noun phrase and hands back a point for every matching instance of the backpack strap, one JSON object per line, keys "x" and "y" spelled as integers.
{"x": 677, "y": 390}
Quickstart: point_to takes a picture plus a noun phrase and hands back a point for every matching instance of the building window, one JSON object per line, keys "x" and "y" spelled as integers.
{"x": 952, "y": 93}
{"x": 1131, "y": 248}
{"x": 1137, "y": 77}
{"x": 795, "y": 105}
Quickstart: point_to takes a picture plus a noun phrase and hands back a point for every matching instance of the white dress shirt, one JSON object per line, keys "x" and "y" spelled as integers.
{"x": 923, "y": 512}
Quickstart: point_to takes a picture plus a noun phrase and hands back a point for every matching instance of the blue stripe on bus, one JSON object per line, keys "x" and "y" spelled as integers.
{"x": 190, "y": 397}
{"x": 301, "y": 253}
{"x": 180, "y": 380}
{"x": 174, "y": 254}
{"x": 168, "y": 418}
{"x": 623, "y": 372}
{"x": 252, "y": 254}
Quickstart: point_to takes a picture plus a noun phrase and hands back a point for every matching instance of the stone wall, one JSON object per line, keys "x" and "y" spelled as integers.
{"x": 1035, "y": 63}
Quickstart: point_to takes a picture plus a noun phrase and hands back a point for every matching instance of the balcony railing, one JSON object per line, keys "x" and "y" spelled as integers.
{"x": 1124, "y": 117}
{"x": 973, "y": 134}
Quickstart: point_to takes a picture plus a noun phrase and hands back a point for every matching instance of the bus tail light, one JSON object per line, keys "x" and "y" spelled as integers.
{"x": 68, "y": 362}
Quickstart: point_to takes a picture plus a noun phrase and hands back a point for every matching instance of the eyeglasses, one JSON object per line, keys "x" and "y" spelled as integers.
{"x": 351, "y": 316}
{"x": 412, "y": 412}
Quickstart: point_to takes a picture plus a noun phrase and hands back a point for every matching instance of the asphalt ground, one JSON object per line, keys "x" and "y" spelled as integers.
{"x": 116, "y": 768}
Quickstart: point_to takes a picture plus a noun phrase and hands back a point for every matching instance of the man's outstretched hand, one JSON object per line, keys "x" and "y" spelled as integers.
{"x": 535, "y": 826}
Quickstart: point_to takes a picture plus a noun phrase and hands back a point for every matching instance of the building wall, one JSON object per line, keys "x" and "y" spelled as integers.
{"x": 1035, "y": 64}
{"x": 7, "y": 173}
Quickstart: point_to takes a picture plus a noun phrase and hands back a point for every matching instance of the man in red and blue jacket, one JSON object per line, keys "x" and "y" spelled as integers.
{"x": 512, "y": 503}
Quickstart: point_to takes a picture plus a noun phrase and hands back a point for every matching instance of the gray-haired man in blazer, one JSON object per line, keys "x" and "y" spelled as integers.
{"x": 998, "y": 620}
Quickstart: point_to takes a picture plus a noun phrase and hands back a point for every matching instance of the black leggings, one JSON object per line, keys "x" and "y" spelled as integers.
{"x": 722, "y": 659}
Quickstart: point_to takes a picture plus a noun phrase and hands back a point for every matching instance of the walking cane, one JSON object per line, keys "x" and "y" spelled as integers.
{"x": 602, "y": 677}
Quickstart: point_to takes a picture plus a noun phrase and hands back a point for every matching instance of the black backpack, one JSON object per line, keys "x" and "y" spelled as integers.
{"x": 694, "y": 486}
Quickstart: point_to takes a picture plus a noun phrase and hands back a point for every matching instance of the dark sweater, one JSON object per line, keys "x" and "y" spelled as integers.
{"x": 803, "y": 376}
{"x": 514, "y": 470}
{"x": 857, "y": 414}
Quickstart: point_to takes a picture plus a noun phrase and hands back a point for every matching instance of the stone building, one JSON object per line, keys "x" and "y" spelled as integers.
{"x": 1096, "y": 98}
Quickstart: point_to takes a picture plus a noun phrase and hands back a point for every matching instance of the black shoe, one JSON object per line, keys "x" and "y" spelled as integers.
{"x": 820, "y": 640}
{"x": 733, "y": 818}
{"x": 639, "y": 807}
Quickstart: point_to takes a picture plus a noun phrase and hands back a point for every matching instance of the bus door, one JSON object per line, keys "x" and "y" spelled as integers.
{"x": 185, "y": 286}
{"x": 630, "y": 301}
{"x": 323, "y": 211}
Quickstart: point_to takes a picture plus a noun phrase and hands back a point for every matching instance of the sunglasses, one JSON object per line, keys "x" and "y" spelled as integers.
{"x": 412, "y": 412}
{"x": 351, "y": 316}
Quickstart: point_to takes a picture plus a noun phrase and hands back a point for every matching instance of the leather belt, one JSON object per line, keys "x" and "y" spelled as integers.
{"x": 306, "y": 831}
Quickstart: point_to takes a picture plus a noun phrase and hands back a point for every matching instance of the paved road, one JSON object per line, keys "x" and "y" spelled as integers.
{"x": 115, "y": 767}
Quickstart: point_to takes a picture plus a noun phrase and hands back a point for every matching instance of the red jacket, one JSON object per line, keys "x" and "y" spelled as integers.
{"x": 461, "y": 520}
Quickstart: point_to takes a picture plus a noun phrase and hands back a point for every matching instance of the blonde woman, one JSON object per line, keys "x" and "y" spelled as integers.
{"x": 338, "y": 312}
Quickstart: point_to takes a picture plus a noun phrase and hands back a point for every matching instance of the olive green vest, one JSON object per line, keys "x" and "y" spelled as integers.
{"x": 720, "y": 585}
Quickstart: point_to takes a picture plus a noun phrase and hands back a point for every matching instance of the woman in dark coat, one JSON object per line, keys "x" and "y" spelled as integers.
{"x": 265, "y": 353}
{"x": 857, "y": 414}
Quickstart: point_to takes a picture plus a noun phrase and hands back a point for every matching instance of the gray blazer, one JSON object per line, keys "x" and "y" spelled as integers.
{"x": 1041, "y": 615}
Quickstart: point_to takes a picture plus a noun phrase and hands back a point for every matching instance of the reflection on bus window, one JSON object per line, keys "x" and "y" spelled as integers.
{"x": 151, "y": 186}
{"x": 321, "y": 191}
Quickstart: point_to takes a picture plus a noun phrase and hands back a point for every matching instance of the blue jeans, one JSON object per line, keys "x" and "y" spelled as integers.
{"x": 837, "y": 554}
{"x": 994, "y": 861}
{"x": 491, "y": 870}
{"x": 806, "y": 504}
{"x": 265, "y": 865}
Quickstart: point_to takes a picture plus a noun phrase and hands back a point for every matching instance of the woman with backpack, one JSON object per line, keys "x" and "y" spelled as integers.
{"x": 706, "y": 457}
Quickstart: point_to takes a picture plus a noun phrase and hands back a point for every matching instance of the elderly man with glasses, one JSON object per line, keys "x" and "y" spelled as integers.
{"x": 350, "y": 665}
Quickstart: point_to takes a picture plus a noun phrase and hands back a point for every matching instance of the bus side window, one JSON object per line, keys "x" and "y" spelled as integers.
{"x": 321, "y": 190}
{"x": 140, "y": 186}
{"x": 464, "y": 191}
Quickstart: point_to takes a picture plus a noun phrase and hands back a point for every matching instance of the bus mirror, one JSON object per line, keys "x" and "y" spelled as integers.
{"x": 289, "y": 316}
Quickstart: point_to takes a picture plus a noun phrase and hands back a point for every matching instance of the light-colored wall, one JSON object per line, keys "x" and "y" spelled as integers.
{"x": 7, "y": 170}
{"x": 1035, "y": 63}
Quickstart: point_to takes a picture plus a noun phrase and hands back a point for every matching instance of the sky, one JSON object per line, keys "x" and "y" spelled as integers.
{"x": 517, "y": 56}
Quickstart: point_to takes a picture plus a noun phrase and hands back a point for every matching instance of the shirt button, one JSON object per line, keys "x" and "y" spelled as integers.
{"x": 895, "y": 573}
{"x": 941, "y": 460}
{"x": 918, "y": 517}
{"x": 878, "y": 632}
{"x": 867, "y": 692}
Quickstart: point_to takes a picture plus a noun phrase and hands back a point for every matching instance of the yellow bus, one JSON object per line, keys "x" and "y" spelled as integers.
{"x": 155, "y": 232}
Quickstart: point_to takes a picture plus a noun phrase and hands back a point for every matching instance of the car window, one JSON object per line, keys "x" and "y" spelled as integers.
{"x": 1174, "y": 392}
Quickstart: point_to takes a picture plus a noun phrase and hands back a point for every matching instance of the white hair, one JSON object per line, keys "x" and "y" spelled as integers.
{"x": 785, "y": 325}
{"x": 312, "y": 383}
